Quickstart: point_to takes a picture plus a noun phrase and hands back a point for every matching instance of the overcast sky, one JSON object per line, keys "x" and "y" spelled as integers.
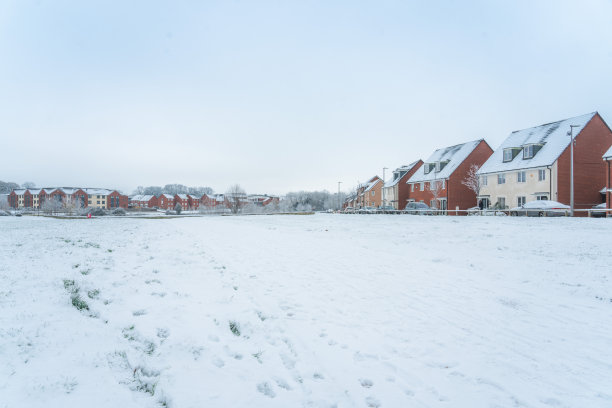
{"x": 282, "y": 96}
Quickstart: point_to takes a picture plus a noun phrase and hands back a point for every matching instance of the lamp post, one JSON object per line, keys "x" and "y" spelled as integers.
{"x": 384, "y": 204}
{"x": 339, "y": 206}
{"x": 570, "y": 133}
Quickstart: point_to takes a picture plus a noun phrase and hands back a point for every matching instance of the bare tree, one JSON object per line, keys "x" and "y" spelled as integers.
{"x": 435, "y": 188}
{"x": 28, "y": 184}
{"x": 235, "y": 198}
{"x": 472, "y": 180}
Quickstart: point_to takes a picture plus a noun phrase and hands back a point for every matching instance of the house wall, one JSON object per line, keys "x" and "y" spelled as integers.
{"x": 390, "y": 196}
{"x": 512, "y": 189}
{"x": 608, "y": 184}
{"x": 403, "y": 189}
{"x": 96, "y": 200}
{"x": 460, "y": 195}
{"x": 589, "y": 168}
{"x": 422, "y": 192}
{"x": 373, "y": 197}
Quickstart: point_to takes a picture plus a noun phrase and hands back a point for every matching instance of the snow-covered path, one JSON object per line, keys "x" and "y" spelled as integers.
{"x": 322, "y": 311}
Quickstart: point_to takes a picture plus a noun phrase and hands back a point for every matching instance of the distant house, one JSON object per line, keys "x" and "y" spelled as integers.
{"x": 368, "y": 194}
{"x": 194, "y": 201}
{"x": 608, "y": 158}
{"x": 395, "y": 191}
{"x": 166, "y": 201}
{"x": 182, "y": 200}
{"x": 143, "y": 201}
{"x": 438, "y": 182}
{"x": 534, "y": 164}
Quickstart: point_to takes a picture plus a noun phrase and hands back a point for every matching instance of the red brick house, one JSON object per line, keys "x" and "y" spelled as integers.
{"x": 166, "y": 201}
{"x": 193, "y": 201}
{"x": 608, "y": 158}
{"x": 183, "y": 200}
{"x": 395, "y": 191}
{"x": 438, "y": 182}
{"x": 143, "y": 201}
{"x": 116, "y": 200}
{"x": 534, "y": 164}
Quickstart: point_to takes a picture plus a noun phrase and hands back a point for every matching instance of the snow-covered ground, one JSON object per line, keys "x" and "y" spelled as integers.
{"x": 300, "y": 311}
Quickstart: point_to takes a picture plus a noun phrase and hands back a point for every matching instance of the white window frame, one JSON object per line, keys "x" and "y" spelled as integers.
{"x": 521, "y": 200}
{"x": 521, "y": 177}
{"x": 501, "y": 178}
{"x": 542, "y": 175}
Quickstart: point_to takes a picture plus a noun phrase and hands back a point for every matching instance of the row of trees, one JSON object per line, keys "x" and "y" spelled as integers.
{"x": 7, "y": 186}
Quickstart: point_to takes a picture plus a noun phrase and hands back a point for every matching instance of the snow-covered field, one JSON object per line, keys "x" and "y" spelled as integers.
{"x": 300, "y": 311}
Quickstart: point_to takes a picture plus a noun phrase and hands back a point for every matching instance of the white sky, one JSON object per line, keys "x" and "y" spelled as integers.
{"x": 282, "y": 96}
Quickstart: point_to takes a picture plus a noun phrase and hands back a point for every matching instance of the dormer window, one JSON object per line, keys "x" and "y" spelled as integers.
{"x": 428, "y": 167}
{"x": 510, "y": 153}
{"x": 440, "y": 165}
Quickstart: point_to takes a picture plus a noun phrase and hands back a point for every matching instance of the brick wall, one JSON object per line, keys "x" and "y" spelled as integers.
{"x": 403, "y": 189}
{"x": 459, "y": 194}
{"x": 589, "y": 168}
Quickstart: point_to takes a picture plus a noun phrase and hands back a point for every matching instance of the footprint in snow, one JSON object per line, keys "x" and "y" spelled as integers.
{"x": 366, "y": 383}
{"x": 266, "y": 389}
{"x": 372, "y": 402}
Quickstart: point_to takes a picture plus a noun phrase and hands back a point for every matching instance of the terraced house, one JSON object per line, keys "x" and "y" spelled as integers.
{"x": 439, "y": 181}
{"x": 395, "y": 191}
{"x": 534, "y": 164}
{"x": 67, "y": 197}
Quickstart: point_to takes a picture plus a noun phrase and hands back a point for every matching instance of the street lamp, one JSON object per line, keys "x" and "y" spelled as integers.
{"x": 383, "y": 189}
{"x": 570, "y": 133}
{"x": 339, "y": 206}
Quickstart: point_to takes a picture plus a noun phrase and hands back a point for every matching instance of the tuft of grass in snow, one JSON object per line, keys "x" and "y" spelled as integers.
{"x": 85, "y": 271}
{"x": 93, "y": 294}
{"x": 258, "y": 356}
{"x": 109, "y": 250}
{"x": 234, "y": 327}
{"x": 75, "y": 266}
{"x": 70, "y": 286}
{"x": 79, "y": 303}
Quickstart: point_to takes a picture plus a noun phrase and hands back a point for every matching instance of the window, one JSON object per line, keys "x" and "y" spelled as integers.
{"x": 432, "y": 185}
{"x": 502, "y": 202}
{"x": 521, "y": 177}
{"x": 508, "y": 156}
{"x": 98, "y": 202}
{"x": 542, "y": 197}
{"x": 501, "y": 178}
{"x": 484, "y": 180}
{"x": 412, "y": 187}
{"x": 541, "y": 174}
{"x": 530, "y": 150}
{"x": 521, "y": 201}
{"x": 422, "y": 186}
{"x": 373, "y": 192}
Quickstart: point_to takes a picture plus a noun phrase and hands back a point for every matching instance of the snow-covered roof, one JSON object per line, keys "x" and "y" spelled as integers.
{"x": 141, "y": 197}
{"x": 608, "y": 155}
{"x": 19, "y": 191}
{"x": 371, "y": 184}
{"x": 453, "y": 156}
{"x": 168, "y": 196}
{"x": 98, "y": 191}
{"x": 399, "y": 173}
{"x": 35, "y": 191}
{"x": 182, "y": 196}
{"x": 552, "y": 137}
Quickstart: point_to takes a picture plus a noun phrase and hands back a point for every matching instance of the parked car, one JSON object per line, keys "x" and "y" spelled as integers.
{"x": 418, "y": 208}
{"x": 349, "y": 210}
{"x": 368, "y": 210}
{"x": 541, "y": 208}
{"x": 387, "y": 209}
{"x": 599, "y": 210}
{"x": 485, "y": 211}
